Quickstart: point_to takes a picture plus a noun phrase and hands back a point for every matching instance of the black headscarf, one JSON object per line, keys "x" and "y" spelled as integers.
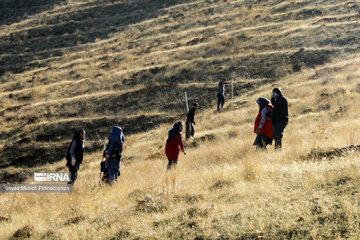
{"x": 174, "y": 131}
{"x": 277, "y": 90}
{"x": 77, "y": 134}
{"x": 77, "y": 137}
{"x": 262, "y": 102}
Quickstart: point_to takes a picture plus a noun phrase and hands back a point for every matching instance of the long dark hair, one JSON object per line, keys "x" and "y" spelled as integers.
{"x": 174, "y": 131}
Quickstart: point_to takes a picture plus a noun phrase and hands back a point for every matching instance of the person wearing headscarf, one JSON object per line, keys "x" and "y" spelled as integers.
{"x": 263, "y": 125}
{"x": 113, "y": 153}
{"x": 221, "y": 94}
{"x": 174, "y": 144}
{"x": 280, "y": 116}
{"x": 190, "y": 122}
{"x": 75, "y": 153}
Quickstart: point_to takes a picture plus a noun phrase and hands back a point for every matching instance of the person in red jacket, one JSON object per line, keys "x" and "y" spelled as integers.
{"x": 263, "y": 126}
{"x": 174, "y": 144}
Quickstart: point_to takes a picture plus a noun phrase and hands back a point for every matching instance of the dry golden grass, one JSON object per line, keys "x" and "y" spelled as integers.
{"x": 224, "y": 188}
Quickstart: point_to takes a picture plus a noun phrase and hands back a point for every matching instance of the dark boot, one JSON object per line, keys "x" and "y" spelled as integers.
{"x": 278, "y": 144}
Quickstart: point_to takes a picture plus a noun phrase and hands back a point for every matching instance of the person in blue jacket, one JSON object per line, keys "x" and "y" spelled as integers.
{"x": 113, "y": 153}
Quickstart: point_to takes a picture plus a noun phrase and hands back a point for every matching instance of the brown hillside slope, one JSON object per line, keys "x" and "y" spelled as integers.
{"x": 101, "y": 63}
{"x": 224, "y": 188}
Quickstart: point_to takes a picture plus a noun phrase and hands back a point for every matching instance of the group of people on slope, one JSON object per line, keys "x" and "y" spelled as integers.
{"x": 112, "y": 155}
{"x": 174, "y": 142}
{"x": 269, "y": 124}
{"x": 271, "y": 120}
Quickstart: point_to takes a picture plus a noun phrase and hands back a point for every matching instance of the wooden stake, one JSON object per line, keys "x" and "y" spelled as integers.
{"x": 187, "y": 104}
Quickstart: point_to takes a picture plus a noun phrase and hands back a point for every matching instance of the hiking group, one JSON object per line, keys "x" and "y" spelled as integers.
{"x": 110, "y": 166}
{"x": 269, "y": 124}
{"x": 271, "y": 120}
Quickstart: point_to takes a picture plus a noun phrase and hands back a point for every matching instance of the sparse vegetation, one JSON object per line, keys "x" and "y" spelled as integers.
{"x": 98, "y": 63}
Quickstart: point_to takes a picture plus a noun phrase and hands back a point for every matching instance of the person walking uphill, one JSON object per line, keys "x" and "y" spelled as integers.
{"x": 190, "y": 131}
{"x": 113, "y": 153}
{"x": 280, "y": 116}
{"x": 263, "y": 125}
{"x": 174, "y": 144}
{"x": 221, "y": 94}
{"x": 75, "y": 153}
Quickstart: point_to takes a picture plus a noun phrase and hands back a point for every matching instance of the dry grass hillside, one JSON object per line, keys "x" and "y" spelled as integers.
{"x": 224, "y": 188}
{"x": 96, "y": 64}
{"x": 93, "y": 64}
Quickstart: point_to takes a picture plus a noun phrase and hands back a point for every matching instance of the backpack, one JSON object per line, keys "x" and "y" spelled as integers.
{"x": 103, "y": 167}
{"x": 116, "y": 153}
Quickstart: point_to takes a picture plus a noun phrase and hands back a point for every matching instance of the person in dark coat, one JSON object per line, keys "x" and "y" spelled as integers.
{"x": 174, "y": 144}
{"x": 190, "y": 131}
{"x": 221, "y": 94}
{"x": 280, "y": 116}
{"x": 75, "y": 153}
{"x": 263, "y": 125}
{"x": 113, "y": 154}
